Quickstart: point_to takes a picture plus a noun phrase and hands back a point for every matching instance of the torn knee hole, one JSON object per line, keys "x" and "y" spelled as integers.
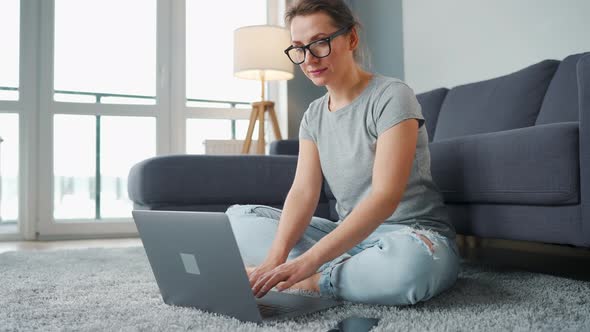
{"x": 426, "y": 241}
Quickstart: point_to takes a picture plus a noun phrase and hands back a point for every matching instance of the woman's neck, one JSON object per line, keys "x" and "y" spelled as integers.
{"x": 348, "y": 87}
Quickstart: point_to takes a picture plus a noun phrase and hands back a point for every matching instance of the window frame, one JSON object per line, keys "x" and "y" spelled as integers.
{"x": 26, "y": 108}
{"x": 48, "y": 227}
{"x": 36, "y": 109}
{"x": 276, "y": 90}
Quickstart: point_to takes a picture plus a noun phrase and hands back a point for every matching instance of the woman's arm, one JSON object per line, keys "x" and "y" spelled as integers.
{"x": 300, "y": 203}
{"x": 396, "y": 148}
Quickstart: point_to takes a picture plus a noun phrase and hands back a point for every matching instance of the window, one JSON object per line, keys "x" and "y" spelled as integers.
{"x": 74, "y": 171}
{"x": 200, "y": 130}
{"x": 90, "y": 179}
{"x": 105, "y": 93}
{"x": 9, "y": 133}
{"x": 9, "y": 114}
{"x": 210, "y": 83}
{"x": 9, "y": 39}
{"x": 100, "y": 58}
{"x": 209, "y": 49}
{"x": 119, "y": 151}
{"x": 105, "y": 51}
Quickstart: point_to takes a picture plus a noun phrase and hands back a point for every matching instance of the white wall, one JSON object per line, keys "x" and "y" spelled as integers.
{"x": 453, "y": 42}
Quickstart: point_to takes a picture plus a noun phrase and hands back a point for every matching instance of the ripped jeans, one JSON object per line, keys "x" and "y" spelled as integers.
{"x": 394, "y": 265}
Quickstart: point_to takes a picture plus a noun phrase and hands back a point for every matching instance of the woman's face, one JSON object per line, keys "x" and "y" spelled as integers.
{"x": 309, "y": 28}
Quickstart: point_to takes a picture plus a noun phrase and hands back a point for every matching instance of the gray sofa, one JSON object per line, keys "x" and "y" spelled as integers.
{"x": 511, "y": 156}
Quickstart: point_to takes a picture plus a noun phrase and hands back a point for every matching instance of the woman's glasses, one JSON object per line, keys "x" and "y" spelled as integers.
{"x": 320, "y": 48}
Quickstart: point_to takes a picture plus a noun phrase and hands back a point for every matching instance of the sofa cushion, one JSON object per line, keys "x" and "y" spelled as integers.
{"x": 561, "y": 100}
{"x": 333, "y": 214}
{"x": 327, "y": 190}
{"x": 285, "y": 146}
{"x": 212, "y": 179}
{"x": 431, "y": 102}
{"x": 537, "y": 165}
{"x": 507, "y": 102}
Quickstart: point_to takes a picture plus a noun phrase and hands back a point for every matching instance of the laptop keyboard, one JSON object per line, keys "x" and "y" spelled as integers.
{"x": 273, "y": 310}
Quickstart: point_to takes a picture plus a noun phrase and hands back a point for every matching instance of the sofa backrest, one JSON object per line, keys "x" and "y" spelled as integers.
{"x": 561, "y": 100}
{"x": 507, "y": 102}
{"x": 431, "y": 101}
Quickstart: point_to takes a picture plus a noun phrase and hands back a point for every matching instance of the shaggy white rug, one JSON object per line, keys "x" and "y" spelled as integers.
{"x": 114, "y": 290}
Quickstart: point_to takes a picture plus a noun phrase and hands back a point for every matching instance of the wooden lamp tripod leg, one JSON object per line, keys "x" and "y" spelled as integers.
{"x": 248, "y": 141}
{"x": 260, "y": 149}
{"x": 258, "y": 111}
{"x": 275, "y": 122}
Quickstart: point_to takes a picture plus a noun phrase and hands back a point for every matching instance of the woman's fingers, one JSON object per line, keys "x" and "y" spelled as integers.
{"x": 259, "y": 282}
{"x": 254, "y": 276}
{"x": 270, "y": 283}
{"x": 284, "y": 275}
{"x": 269, "y": 280}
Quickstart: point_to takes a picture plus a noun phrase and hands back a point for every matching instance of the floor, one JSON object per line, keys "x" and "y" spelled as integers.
{"x": 564, "y": 261}
{"x": 550, "y": 259}
{"x": 74, "y": 244}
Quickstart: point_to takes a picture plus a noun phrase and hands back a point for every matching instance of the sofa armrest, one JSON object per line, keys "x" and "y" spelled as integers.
{"x": 211, "y": 179}
{"x": 285, "y": 147}
{"x": 583, "y": 74}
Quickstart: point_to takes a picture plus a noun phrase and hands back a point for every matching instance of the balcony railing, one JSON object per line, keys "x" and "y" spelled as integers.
{"x": 98, "y": 99}
{"x": 99, "y": 95}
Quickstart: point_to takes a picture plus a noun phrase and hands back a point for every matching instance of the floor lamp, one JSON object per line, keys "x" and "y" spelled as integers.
{"x": 258, "y": 55}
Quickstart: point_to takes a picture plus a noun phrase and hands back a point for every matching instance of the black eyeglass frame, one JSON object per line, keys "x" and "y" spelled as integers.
{"x": 307, "y": 47}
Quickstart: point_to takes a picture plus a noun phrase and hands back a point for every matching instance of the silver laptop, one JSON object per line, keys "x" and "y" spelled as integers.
{"x": 196, "y": 262}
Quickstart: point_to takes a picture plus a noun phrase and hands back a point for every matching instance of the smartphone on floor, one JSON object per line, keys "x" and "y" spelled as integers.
{"x": 355, "y": 324}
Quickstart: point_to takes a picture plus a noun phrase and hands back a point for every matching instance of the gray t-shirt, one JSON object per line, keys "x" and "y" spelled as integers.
{"x": 346, "y": 140}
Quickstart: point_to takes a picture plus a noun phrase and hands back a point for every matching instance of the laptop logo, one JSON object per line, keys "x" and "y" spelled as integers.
{"x": 190, "y": 263}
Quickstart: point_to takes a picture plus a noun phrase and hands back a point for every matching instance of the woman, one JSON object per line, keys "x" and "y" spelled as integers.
{"x": 393, "y": 243}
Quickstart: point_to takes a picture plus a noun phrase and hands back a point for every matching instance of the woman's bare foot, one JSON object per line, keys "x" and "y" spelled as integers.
{"x": 310, "y": 284}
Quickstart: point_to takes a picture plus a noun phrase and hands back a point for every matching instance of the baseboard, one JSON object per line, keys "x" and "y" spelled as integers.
{"x": 472, "y": 242}
{"x": 86, "y": 237}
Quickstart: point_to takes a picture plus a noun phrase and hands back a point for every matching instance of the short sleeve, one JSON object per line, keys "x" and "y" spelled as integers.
{"x": 305, "y": 131}
{"x": 397, "y": 103}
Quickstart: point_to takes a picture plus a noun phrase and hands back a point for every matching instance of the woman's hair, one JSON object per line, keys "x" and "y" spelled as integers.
{"x": 340, "y": 14}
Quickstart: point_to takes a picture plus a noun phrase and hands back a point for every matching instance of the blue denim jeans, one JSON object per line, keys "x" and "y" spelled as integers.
{"x": 392, "y": 266}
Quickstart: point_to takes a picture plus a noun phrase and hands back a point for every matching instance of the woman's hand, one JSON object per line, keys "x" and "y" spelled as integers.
{"x": 266, "y": 266}
{"x": 283, "y": 276}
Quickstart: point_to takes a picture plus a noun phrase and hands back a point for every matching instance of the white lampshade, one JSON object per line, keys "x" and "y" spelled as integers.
{"x": 258, "y": 53}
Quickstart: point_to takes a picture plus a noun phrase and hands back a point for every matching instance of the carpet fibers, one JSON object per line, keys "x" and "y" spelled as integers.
{"x": 114, "y": 290}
